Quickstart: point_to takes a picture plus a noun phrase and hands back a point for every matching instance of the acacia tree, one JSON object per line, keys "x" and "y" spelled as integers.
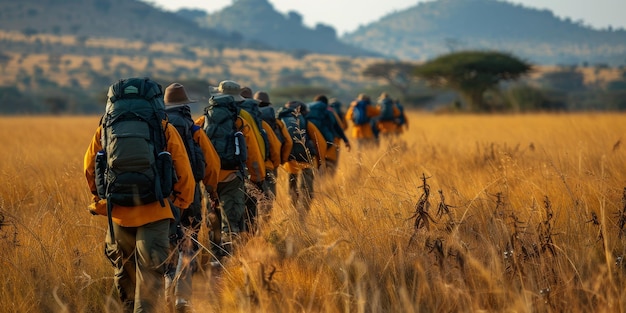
{"x": 471, "y": 73}
{"x": 397, "y": 74}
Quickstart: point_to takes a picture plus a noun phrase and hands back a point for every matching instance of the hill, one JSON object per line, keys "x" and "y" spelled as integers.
{"x": 432, "y": 28}
{"x": 130, "y": 20}
{"x": 257, "y": 20}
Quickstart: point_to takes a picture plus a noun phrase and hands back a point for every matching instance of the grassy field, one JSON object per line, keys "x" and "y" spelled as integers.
{"x": 463, "y": 213}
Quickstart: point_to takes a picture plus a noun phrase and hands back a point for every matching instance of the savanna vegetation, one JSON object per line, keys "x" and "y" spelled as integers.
{"x": 522, "y": 213}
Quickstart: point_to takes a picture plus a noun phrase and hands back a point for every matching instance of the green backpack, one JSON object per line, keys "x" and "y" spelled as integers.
{"x": 133, "y": 168}
{"x": 220, "y": 118}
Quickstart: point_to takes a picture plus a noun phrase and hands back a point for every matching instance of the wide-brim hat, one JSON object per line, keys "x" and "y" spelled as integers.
{"x": 227, "y": 87}
{"x": 246, "y": 92}
{"x": 262, "y": 97}
{"x": 175, "y": 94}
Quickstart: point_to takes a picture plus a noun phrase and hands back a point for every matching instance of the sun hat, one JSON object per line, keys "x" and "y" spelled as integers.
{"x": 175, "y": 94}
{"x": 227, "y": 87}
{"x": 262, "y": 97}
{"x": 246, "y": 92}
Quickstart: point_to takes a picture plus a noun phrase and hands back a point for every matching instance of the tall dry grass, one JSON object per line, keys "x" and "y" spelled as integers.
{"x": 519, "y": 213}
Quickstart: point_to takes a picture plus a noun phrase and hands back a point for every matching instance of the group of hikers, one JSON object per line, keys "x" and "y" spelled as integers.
{"x": 153, "y": 168}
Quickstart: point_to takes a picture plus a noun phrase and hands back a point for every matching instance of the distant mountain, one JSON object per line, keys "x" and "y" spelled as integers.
{"x": 258, "y": 21}
{"x": 132, "y": 20}
{"x": 432, "y": 28}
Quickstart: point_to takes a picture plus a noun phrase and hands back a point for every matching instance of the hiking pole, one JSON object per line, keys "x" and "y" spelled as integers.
{"x": 109, "y": 211}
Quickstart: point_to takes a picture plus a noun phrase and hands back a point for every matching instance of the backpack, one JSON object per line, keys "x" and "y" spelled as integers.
{"x": 180, "y": 117}
{"x": 303, "y": 148}
{"x": 386, "y": 110}
{"x": 359, "y": 114}
{"x": 268, "y": 115}
{"x": 320, "y": 117}
{"x": 133, "y": 168}
{"x": 220, "y": 118}
{"x": 252, "y": 107}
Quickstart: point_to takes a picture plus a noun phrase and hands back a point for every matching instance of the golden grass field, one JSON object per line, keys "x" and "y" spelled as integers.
{"x": 532, "y": 221}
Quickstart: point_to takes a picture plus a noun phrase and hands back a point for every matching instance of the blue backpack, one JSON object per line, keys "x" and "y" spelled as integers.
{"x": 359, "y": 115}
{"x": 320, "y": 117}
{"x": 386, "y": 110}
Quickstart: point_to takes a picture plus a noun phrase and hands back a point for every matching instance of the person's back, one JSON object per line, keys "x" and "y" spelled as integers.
{"x": 387, "y": 124}
{"x": 327, "y": 122}
{"x": 145, "y": 218}
{"x": 361, "y": 113}
{"x": 277, "y": 139}
{"x": 319, "y": 115}
{"x": 306, "y": 155}
{"x": 205, "y": 166}
{"x": 231, "y": 190}
{"x": 251, "y": 113}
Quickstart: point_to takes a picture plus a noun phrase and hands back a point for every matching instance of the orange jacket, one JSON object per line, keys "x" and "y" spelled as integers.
{"x": 294, "y": 167}
{"x": 274, "y": 159}
{"x": 362, "y": 131}
{"x": 184, "y": 187}
{"x": 212, "y": 167}
{"x": 255, "y": 162}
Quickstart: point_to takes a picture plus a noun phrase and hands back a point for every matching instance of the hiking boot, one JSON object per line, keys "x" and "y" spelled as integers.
{"x": 182, "y": 306}
{"x": 229, "y": 240}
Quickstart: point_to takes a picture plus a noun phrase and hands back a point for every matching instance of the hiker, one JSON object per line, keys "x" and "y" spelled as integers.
{"x": 134, "y": 137}
{"x": 332, "y": 157}
{"x": 255, "y": 201}
{"x": 362, "y": 113}
{"x": 280, "y": 144}
{"x": 307, "y": 154}
{"x": 239, "y": 153}
{"x": 389, "y": 113}
{"x": 326, "y": 122}
{"x": 205, "y": 165}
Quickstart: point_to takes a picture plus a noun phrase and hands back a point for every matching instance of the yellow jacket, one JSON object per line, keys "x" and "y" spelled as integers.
{"x": 255, "y": 162}
{"x": 274, "y": 159}
{"x": 255, "y": 130}
{"x": 362, "y": 131}
{"x": 294, "y": 167}
{"x": 212, "y": 167}
{"x": 184, "y": 188}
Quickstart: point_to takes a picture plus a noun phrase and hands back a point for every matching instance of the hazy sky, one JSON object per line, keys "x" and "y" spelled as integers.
{"x": 348, "y": 15}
